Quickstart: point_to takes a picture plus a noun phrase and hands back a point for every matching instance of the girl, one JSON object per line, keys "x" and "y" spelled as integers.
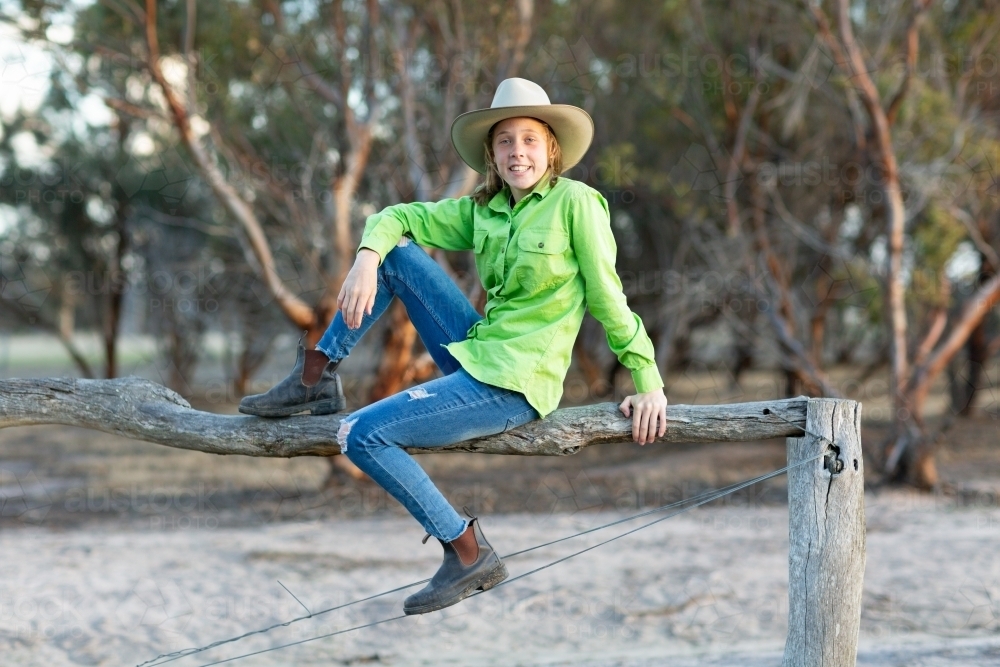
{"x": 544, "y": 252}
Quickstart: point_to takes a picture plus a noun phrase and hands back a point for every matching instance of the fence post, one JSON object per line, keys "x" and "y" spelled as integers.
{"x": 826, "y": 535}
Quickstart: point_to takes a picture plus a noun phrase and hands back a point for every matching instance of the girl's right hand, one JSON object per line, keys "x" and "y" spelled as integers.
{"x": 357, "y": 294}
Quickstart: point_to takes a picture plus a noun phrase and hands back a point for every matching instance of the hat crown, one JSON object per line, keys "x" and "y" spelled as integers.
{"x": 515, "y": 92}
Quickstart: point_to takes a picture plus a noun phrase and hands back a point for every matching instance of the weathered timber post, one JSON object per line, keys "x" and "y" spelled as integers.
{"x": 826, "y": 531}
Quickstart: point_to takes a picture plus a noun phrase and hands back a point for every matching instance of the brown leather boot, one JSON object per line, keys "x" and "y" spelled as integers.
{"x": 454, "y": 581}
{"x": 311, "y": 386}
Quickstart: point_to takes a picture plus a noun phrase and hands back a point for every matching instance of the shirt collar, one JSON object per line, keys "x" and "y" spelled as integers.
{"x": 500, "y": 199}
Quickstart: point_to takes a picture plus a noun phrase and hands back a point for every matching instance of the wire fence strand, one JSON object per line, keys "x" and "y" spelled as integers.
{"x": 687, "y": 505}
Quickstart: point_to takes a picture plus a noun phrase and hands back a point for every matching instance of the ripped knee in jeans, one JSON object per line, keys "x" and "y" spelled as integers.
{"x": 343, "y": 432}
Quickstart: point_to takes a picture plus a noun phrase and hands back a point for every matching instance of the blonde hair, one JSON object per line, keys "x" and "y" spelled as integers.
{"x": 494, "y": 183}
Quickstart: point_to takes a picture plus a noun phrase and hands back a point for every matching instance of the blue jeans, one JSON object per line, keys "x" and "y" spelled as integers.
{"x": 440, "y": 412}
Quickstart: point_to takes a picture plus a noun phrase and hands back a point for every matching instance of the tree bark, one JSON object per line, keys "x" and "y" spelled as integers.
{"x": 136, "y": 408}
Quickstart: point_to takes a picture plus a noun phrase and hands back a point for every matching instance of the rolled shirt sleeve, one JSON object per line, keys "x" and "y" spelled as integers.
{"x": 594, "y": 245}
{"x": 445, "y": 224}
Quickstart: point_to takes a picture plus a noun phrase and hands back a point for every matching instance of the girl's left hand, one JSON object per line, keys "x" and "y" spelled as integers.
{"x": 650, "y": 419}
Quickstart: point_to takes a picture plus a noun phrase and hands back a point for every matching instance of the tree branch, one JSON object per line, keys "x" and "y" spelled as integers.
{"x": 912, "y": 44}
{"x": 294, "y": 308}
{"x": 851, "y": 61}
{"x": 136, "y": 408}
{"x": 738, "y": 155}
{"x": 975, "y": 310}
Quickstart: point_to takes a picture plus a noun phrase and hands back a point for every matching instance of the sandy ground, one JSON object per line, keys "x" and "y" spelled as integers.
{"x": 705, "y": 588}
{"x": 114, "y": 551}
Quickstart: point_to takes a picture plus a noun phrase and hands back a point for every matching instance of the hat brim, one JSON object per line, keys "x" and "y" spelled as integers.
{"x": 573, "y": 127}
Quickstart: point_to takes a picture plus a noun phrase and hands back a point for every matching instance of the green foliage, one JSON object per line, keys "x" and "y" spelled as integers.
{"x": 667, "y": 84}
{"x": 935, "y": 239}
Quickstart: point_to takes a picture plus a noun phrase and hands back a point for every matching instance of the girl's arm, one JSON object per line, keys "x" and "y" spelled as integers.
{"x": 595, "y": 249}
{"x": 445, "y": 224}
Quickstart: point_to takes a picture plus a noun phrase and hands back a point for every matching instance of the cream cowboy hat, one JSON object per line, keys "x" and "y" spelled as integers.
{"x": 574, "y": 128}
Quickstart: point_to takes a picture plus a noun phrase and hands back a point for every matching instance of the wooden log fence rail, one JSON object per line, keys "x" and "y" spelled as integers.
{"x": 826, "y": 520}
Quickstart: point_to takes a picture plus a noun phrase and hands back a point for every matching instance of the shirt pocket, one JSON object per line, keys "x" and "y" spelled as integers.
{"x": 542, "y": 260}
{"x": 483, "y": 256}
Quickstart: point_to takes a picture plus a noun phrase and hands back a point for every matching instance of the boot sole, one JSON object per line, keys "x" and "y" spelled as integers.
{"x": 488, "y": 581}
{"x": 325, "y": 407}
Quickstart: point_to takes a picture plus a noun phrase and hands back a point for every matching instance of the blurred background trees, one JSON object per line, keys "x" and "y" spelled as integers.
{"x": 806, "y": 186}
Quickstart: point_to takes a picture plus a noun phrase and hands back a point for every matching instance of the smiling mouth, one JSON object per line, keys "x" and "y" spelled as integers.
{"x": 519, "y": 169}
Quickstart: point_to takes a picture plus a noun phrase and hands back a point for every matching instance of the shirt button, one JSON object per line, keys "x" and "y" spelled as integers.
{"x": 541, "y": 244}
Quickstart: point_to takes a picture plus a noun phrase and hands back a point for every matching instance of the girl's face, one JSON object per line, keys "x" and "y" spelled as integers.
{"x": 521, "y": 153}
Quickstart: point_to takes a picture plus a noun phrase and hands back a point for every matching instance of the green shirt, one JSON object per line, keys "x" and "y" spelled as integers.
{"x": 541, "y": 265}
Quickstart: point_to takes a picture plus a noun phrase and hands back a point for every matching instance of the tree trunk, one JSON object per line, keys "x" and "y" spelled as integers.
{"x": 116, "y": 295}
{"x": 919, "y": 468}
{"x": 976, "y": 351}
